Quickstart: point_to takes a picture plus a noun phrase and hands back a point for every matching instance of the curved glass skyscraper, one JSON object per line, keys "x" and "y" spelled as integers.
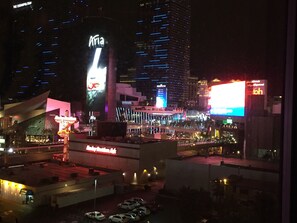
{"x": 163, "y": 49}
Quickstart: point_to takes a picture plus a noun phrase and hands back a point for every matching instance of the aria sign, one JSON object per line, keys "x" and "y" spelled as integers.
{"x": 96, "y": 41}
{"x": 99, "y": 149}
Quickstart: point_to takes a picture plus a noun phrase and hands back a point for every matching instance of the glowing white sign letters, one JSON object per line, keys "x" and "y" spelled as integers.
{"x": 96, "y": 41}
{"x": 99, "y": 149}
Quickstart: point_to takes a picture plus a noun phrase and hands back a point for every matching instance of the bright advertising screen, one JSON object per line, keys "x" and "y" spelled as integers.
{"x": 161, "y": 99}
{"x": 96, "y": 76}
{"x": 227, "y": 99}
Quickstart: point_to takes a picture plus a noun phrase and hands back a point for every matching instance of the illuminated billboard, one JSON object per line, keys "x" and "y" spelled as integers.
{"x": 96, "y": 76}
{"x": 257, "y": 87}
{"x": 227, "y": 99}
{"x": 161, "y": 99}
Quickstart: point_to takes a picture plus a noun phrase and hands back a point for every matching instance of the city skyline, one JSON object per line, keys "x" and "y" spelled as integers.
{"x": 251, "y": 41}
{"x": 230, "y": 41}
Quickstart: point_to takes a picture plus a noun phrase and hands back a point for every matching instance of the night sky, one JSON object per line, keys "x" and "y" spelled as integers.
{"x": 230, "y": 39}
{"x": 237, "y": 39}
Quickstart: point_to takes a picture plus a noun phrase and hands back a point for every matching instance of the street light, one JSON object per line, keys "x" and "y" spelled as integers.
{"x": 95, "y": 187}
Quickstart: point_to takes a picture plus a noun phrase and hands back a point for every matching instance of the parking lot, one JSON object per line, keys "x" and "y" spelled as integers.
{"x": 106, "y": 205}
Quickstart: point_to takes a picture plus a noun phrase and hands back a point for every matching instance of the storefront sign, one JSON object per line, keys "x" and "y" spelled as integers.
{"x": 98, "y": 149}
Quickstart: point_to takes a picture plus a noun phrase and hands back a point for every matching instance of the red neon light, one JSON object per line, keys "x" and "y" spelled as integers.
{"x": 99, "y": 149}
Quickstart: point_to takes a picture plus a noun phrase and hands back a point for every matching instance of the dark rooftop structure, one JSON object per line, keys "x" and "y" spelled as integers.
{"x": 41, "y": 173}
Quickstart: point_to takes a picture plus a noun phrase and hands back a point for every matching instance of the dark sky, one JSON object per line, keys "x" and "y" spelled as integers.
{"x": 230, "y": 39}
{"x": 239, "y": 39}
{"x": 4, "y": 47}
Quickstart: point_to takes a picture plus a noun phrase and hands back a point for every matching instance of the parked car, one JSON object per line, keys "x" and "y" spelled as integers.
{"x": 137, "y": 199}
{"x": 142, "y": 211}
{"x": 128, "y": 205}
{"x": 118, "y": 218}
{"x": 97, "y": 215}
{"x": 132, "y": 216}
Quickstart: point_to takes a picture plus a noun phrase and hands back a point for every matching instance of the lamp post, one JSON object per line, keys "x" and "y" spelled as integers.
{"x": 95, "y": 187}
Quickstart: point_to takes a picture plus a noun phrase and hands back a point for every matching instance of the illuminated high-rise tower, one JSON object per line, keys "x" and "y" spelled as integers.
{"x": 163, "y": 48}
{"x": 39, "y": 54}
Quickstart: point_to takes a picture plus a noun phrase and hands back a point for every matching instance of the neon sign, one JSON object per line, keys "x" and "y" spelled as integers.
{"x": 258, "y": 91}
{"x": 96, "y": 41}
{"x": 257, "y": 87}
{"x": 98, "y": 149}
{"x": 65, "y": 123}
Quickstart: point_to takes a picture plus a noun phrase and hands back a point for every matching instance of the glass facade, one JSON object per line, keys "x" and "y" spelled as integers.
{"x": 163, "y": 49}
{"x": 39, "y": 30}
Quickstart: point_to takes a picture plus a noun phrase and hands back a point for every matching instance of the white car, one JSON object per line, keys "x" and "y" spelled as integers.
{"x": 128, "y": 205}
{"x": 137, "y": 199}
{"x": 132, "y": 216}
{"x": 118, "y": 218}
{"x": 142, "y": 211}
{"x": 97, "y": 215}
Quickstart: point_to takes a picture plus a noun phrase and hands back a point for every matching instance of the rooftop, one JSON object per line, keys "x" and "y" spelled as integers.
{"x": 235, "y": 162}
{"x": 43, "y": 173}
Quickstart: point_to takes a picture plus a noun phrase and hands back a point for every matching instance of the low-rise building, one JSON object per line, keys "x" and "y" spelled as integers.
{"x": 137, "y": 158}
{"x": 58, "y": 185}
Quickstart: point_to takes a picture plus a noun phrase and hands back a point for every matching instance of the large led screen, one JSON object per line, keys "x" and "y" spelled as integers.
{"x": 161, "y": 99}
{"x": 97, "y": 75}
{"x": 227, "y": 99}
